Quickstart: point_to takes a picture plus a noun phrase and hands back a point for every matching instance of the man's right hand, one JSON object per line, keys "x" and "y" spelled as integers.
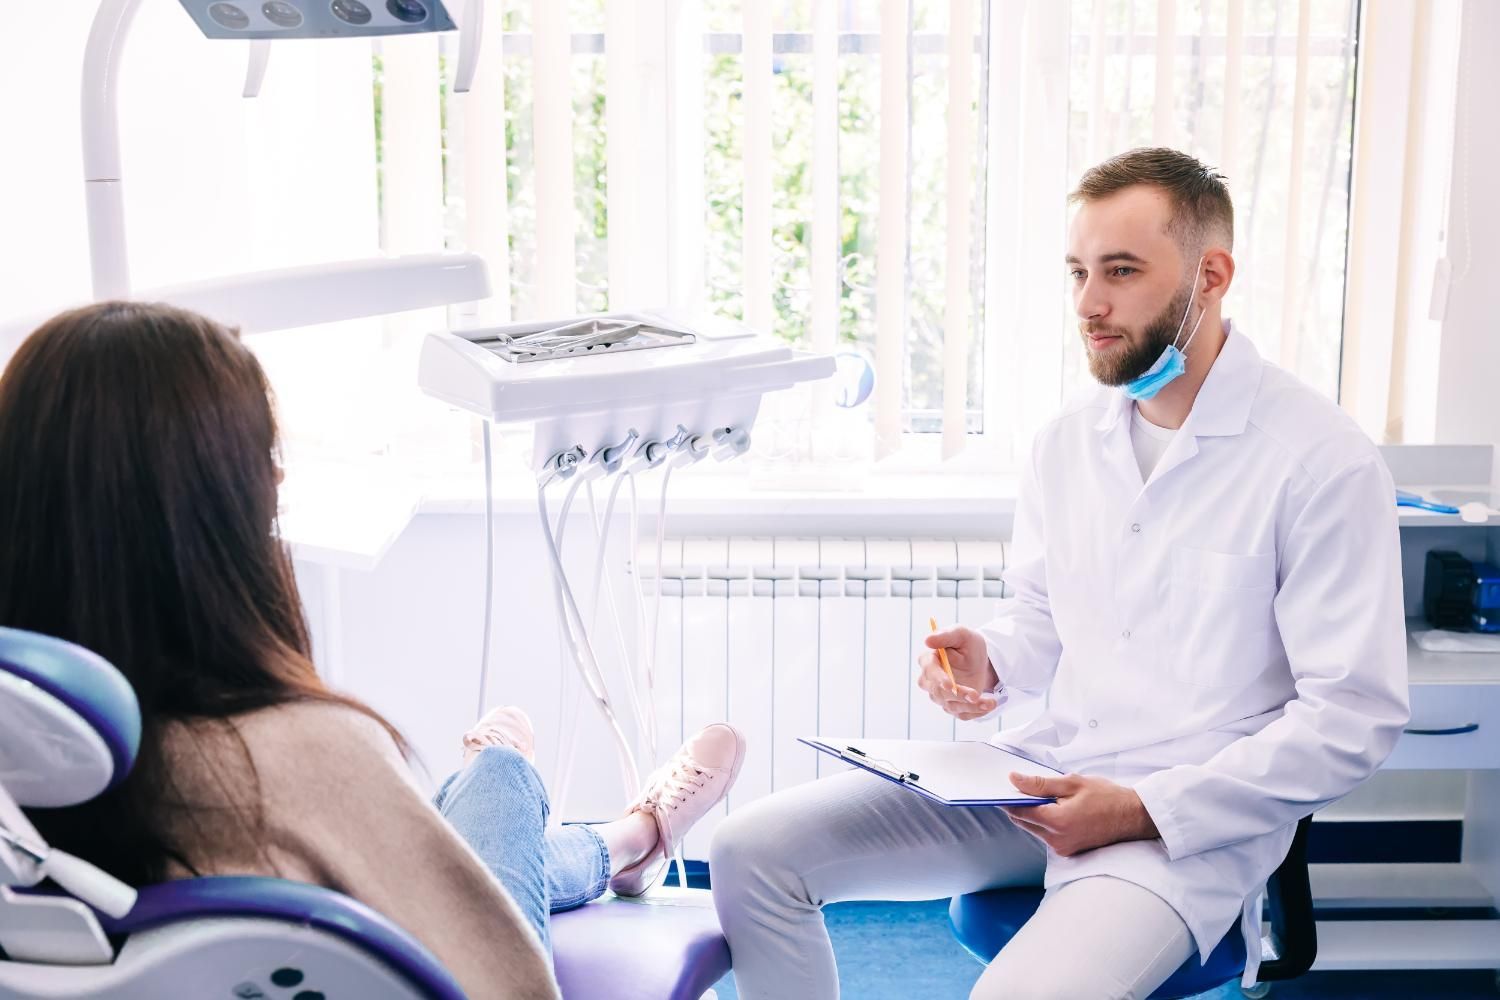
{"x": 972, "y": 670}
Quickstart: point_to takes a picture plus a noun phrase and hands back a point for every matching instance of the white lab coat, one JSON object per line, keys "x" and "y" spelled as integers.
{"x": 1227, "y": 638}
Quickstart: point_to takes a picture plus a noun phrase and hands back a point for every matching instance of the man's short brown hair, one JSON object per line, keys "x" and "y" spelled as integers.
{"x": 1201, "y": 209}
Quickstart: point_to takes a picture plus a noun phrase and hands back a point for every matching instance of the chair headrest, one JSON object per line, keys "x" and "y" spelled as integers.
{"x": 70, "y": 725}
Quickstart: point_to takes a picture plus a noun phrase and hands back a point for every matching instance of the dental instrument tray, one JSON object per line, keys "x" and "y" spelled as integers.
{"x": 588, "y": 381}
{"x": 594, "y": 335}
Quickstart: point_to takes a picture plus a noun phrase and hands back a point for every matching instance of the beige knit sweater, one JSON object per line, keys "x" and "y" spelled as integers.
{"x": 330, "y": 801}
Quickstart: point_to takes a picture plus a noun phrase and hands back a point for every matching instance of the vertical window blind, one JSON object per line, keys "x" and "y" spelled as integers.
{"x": 890, "y": 176}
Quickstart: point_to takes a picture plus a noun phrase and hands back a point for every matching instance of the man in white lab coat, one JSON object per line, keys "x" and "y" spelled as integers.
{"x": 1208, "y": 591}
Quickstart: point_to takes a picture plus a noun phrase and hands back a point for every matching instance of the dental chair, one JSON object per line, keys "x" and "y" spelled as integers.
{"x": 984, "y": 922}
{"x": 70, "y": 729}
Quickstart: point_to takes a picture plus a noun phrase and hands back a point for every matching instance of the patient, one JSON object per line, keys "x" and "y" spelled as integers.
{"x": 138, "y": 457}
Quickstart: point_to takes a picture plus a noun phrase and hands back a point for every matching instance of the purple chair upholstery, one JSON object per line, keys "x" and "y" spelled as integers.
{"x": 293, "y": 902}
{"x": 638, "y": 951}
{"x": 85, "y": 682}
{"x": 621, "y": 950}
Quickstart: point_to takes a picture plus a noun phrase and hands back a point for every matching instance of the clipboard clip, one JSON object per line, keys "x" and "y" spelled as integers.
{"x": 857, "y": 756}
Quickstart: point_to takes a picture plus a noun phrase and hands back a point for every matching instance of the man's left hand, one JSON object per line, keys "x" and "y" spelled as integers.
{"x": 1088, "y": 813}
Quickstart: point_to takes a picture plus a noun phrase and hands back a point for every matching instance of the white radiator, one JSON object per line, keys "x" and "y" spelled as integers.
{"x": 789, "y": 637}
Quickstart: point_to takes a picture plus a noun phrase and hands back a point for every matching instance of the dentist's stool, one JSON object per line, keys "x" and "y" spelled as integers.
{"x": 984, "y": 922}
{"x": 70, "y": 729}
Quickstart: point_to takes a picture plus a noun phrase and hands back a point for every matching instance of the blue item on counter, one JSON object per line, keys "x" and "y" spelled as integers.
{"x": 1405, "y": 498}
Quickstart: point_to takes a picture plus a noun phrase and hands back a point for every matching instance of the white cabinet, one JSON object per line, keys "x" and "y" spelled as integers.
{"x": 1455, "y": 725}
{"x": 1455, "y": 712}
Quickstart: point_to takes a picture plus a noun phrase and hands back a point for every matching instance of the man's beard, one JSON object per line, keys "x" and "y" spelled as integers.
{"x": 1137, "y": 353}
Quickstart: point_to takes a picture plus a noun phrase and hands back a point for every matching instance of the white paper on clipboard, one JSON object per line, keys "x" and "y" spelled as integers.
{"x": 961, "y": 773}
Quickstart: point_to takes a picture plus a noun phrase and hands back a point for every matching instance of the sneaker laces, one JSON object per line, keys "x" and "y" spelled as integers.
{"x": 489, "y": 736}
{"x": 682, "y": 777}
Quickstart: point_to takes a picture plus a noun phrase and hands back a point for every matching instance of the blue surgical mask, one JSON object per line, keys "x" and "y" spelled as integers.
{"x": 1172, "y": 362}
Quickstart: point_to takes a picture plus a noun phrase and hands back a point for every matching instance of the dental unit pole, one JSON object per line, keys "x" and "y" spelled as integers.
{"x": 103, "y": 197}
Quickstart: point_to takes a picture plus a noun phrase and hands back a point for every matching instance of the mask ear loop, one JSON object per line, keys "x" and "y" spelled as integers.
{"x": 1197, "y": 273}
{"x": 1195, "y": 331}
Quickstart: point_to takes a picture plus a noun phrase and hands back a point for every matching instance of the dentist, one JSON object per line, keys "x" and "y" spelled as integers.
{"x": 1207, "y": 589}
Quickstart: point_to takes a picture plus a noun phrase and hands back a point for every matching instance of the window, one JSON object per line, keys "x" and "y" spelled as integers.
{"x": 729, "y": 112}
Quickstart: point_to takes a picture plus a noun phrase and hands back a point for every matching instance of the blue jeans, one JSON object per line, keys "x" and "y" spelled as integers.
{"x": 497, "y": 804}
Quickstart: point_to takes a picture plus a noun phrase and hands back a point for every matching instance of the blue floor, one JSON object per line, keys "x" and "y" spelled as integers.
{"x": 929, "y": 964}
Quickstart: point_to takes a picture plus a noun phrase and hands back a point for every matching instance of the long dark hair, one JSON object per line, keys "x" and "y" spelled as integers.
{"x": 138, "y": 484}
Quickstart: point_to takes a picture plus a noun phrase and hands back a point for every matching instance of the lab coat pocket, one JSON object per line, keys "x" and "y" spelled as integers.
{"x": 1222, "y": 623}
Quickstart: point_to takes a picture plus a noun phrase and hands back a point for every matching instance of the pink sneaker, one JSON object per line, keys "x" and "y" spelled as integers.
{"x": 506, "y": 726}
{"x": 678, "y": 795}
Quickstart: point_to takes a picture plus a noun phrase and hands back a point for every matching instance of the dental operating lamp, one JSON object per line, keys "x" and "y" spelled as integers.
{"x": 281, "y": 298}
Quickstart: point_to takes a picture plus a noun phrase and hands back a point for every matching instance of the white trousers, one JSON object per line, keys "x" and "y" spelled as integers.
{"x": 777, "y": 861}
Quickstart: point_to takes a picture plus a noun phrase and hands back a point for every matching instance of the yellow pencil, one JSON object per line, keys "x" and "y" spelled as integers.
{"x": 943, "y": 656}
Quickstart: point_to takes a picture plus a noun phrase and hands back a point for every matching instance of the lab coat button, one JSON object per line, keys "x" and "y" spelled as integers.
{"x": 1125, "y": 634}
{"x": 1136, "y": 528}
{"x": 1093, "y": 723}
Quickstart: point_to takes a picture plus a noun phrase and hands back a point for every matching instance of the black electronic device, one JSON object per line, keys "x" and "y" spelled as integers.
{"x": 1446, "y": 586}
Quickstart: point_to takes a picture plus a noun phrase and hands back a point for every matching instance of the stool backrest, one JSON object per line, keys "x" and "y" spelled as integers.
{"x": 1294, "y": 931}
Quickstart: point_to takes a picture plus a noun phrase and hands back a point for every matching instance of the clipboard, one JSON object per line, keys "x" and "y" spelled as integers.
{"x": 964, "y": 773}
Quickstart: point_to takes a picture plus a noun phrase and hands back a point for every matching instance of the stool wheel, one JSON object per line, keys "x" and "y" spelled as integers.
{"x": 1257, "y": 992}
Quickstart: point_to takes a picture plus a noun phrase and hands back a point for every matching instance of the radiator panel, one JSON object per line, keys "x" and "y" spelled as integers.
{"x": 793, "y": 637}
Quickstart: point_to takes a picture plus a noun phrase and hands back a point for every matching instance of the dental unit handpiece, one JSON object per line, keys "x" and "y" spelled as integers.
{"x": 489, "y": 575}
{"x": 624, "y": 459}
{"x": 562, "y": 465}
{"x": 645, "y": 660}
{"x": 601, "y": 542}
{"x": 576, "y": 630}
{"x": 647, "y": 455}
{"x": 610, "y": 459}
{"x": 669, "y": 454}
{"x": 576, "y": 634}
{"x": 687, "y": 450}
{"x": 730, "y": 443}
{"x": 694, "y": 449}
{"x": 606, "y": 459}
